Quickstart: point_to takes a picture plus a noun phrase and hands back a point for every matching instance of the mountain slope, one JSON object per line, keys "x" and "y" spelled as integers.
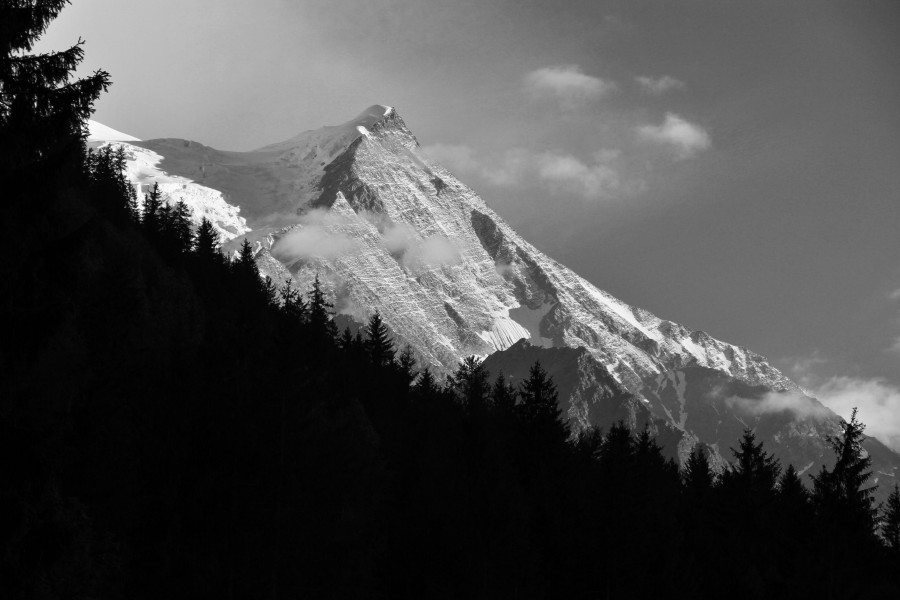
{"x": 387, "y": 229}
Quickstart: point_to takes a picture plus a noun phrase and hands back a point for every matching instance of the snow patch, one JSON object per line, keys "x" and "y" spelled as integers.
{"x": 504, "y": 333}
{"x": 98, "y": 132}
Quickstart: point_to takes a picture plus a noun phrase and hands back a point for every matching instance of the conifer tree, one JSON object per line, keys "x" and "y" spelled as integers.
{"x": 270, "y": 292}
{"x": 346, "y": 341}
{"x": 206, "y": 242}
{"x": 320, "y": 313}
{"x": 755, "y": 472}
{"x": 180, "y": 227}
{"x": 245, "y": 265}
{"x": 503, "y": 395}
{"x": 470, "y": 382}
{"x": 616, "y": 457}
{"x": 843, "y": 489}
{"x": 790, "y": 489}
{"x": 151, "y": 217}
{"x": 539, "y": 396}
{"x": 793, "y": 504}
{"x": 890, "y": 527}
{"x": 292, "y": 303}
{"x": 43, "y": 113}
{"x": 697, "y": 476}
{"x": 406, "y": 364}
{"x": 426, "y": 386}
{"x": 124, "y": 190}
{"x": 379, "y": 345}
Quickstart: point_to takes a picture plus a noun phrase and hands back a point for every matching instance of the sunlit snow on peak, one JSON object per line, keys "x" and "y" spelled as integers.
{"x": 98, "y": 132}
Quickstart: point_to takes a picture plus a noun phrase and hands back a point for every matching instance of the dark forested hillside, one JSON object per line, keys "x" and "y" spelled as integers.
{"x": 172, "y": 426}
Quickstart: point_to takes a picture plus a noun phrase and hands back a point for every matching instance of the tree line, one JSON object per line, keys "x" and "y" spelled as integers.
{"x": 172, "y": 425}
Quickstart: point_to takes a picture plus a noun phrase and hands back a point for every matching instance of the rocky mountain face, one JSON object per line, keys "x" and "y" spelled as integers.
{"x": 388, "y": 229}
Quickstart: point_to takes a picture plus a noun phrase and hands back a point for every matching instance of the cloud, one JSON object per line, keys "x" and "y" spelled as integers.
{"x": 778, "y": 402}
{"x": 511, "y": 169}
{"x": 877, "y": 400}
{"x": 894, "y": 295}
{"x": 567, "y": 84}
{"x": 316, "y": 236}
{"x": 659, "y": 85}
{"x": 399, "y": 237}
{"x": 413, "y": 253}
{"x": 591, "y": 180}
{"x": 684, "y": 137}
{"x": 458, "y": 157}
{"x": 597, "y": 178}
{"x": 434, "y": 251}
{"x": 895, "y": 347}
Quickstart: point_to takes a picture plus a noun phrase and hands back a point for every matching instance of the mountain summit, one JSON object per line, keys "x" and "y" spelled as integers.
{"x": 388, "y": 229}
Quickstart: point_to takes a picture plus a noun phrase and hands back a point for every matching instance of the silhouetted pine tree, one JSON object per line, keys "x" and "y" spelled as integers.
{"x": 503, "y": 395}
{"x": 293, "y": 305}
{"x": 470, "y": 383}
{"x": 43, "y": 112}
{"x": 379, "y": 345}
{"x": 755, "y": 472}
{"x": 845, "y": 509}
{"x": 320, "y": 315}
{"x": 181, "y": 233}
{"x": 890, "y": 527}
{"x": 151, "y": 213}
{"x": 206, "y": 242}
{"x": 245, "y": 265}
{"x": 539, "y": 406}
{"x": 791, "y": 491}
{"x": 425, "y": 386}
{"x": 406, "y": 364}
{"x": 842, "y": 491}
{"x": 697, "y": 476}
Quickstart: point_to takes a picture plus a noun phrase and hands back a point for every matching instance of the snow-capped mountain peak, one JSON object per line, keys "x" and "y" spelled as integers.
{"x": 387, "y": 229}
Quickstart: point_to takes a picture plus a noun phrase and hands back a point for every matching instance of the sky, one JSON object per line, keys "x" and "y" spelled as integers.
{"x": 731, "y": 166}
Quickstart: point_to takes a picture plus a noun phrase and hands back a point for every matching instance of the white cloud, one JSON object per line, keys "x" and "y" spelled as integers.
{"x": 877, "y": 400}
{"x": 684, "y": 137}
{"x": 598, "y": 178}
{"x": 457, "y": 157}
{"x": 776, "y": 402}
{"x": 567, "y": 84}
{"x": 659, "y": 85}
{"x": 434, "y": 251}
{"x": 316, "y": 236}
{"x": 895, "y": 347}
{"x": 895, "y": 295}
{"x": 399, "y": 237}
{"x": 311, "y": 242}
